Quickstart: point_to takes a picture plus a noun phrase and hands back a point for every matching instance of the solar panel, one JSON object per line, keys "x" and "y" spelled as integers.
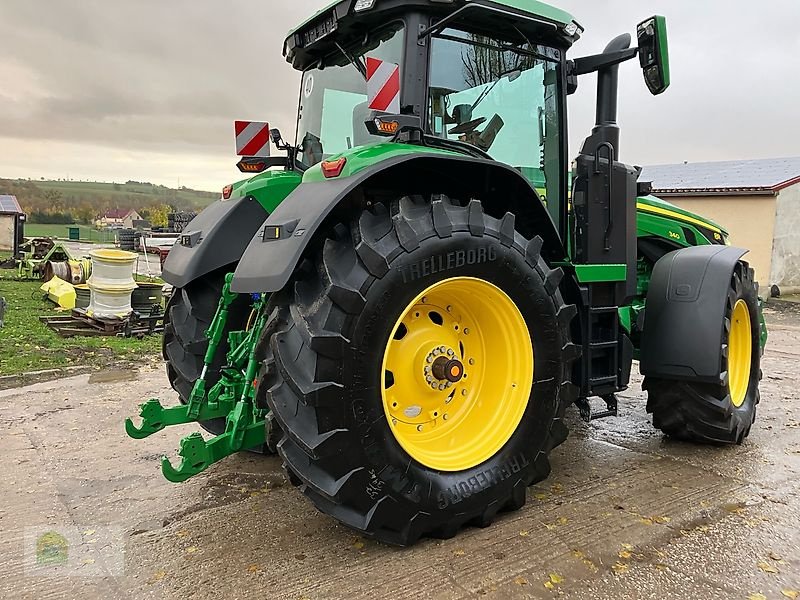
{"x": 9, "y": 204}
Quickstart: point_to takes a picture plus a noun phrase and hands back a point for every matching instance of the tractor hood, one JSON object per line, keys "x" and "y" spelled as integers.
{"x": 657, "y": 206}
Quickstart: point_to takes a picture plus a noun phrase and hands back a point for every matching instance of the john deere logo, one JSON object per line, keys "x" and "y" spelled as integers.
{"x": 51, "y": 549}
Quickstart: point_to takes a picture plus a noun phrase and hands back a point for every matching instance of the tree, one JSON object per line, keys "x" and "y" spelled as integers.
{"x": 158, "y": 215}
{"x": 53, "y": 198}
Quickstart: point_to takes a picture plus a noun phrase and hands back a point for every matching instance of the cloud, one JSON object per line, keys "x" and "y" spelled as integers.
{"x": 732, "y": 95}
{"x": 163, "y": 81}
{"x": 147, "y": 75}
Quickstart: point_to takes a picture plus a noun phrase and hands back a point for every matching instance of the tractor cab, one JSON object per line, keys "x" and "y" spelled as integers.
{"x": 486, "y": 79}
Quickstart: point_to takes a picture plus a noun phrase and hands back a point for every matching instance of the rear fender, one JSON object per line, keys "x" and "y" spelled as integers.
{"x": 685, "y": 312}
{"x": 314, "y": 207}
{"x": 219, "y": 235}
{"x": 215, "y": 238}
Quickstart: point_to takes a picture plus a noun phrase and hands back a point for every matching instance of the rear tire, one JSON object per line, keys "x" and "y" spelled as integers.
{"x": 716, "y": 414}
{"x": 324, "y": 370}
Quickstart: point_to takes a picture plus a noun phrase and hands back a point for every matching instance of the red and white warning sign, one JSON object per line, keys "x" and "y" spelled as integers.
{"x": 383, "y": 85}
{"x": 252, "y": 139}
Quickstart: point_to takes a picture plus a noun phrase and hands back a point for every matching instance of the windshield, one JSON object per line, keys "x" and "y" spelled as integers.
{"x": 501, "y": 99}
{"x": 333, "y": 99}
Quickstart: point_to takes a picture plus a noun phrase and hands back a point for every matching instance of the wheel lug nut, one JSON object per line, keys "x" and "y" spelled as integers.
{"x": 442, "y": 349}
{"x": 450, "y": 352}
{"x": 441, "y": 387}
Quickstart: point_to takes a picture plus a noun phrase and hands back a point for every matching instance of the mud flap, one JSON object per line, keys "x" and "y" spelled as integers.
{"x": 685, "y": 313}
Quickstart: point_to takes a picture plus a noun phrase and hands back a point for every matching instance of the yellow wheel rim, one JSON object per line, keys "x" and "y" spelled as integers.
{"x": 458, "y": 371}
{"x": 740, "y": 351}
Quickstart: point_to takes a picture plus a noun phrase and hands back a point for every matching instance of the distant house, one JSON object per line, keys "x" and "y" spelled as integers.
{"x": 757, "y": 201}
{"x": 119, "y": 218}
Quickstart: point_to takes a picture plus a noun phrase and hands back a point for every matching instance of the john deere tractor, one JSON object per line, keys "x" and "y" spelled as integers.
{"x": 404, "y": 303}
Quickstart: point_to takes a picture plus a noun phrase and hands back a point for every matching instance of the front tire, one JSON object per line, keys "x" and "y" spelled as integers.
{"x": 327, "y": 370}
{"x": 718, "y": 414}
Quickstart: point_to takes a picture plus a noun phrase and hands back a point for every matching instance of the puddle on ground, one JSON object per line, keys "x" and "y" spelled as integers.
{"x": 114, "y": 376}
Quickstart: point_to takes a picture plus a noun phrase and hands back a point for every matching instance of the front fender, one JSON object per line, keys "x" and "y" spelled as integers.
{"x": 685, "y": 313}
{"x": 276, "y": 249}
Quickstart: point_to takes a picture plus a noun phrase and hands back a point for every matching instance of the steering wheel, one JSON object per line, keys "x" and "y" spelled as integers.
{"x": 467, "y": 127}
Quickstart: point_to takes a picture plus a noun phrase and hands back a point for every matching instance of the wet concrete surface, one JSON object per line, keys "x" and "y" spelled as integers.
{"x": 625, "y": 514}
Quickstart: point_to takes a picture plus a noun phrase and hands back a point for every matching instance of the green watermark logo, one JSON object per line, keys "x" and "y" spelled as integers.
{"x": 52, "y": 548}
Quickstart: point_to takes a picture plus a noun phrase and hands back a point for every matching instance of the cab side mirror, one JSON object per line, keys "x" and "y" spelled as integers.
{"x": 654, "y": 53}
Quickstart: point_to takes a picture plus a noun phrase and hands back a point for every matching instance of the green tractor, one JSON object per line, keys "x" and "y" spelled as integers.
{"x": 406, "y": 301}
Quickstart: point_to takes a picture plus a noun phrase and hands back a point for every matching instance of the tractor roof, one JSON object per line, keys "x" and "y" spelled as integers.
{"x": 310, "y": 37}
{"x": 530, "y": 7}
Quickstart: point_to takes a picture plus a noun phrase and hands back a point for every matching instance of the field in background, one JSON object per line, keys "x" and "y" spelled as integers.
{"x": 62, "y": 231}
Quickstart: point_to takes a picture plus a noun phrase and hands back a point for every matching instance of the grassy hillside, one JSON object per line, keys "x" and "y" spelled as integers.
{"x": 83, "y": 201}
{"x": 125, "y": 193}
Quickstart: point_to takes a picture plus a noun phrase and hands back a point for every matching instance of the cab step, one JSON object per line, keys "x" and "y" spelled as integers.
{"x": 585, "y": 408}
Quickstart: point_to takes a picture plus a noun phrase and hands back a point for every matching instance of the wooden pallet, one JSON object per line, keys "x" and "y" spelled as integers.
{"x": 79, "y": 323}
{"x": 110, "y": 325}
{"x": 69, "y": 326}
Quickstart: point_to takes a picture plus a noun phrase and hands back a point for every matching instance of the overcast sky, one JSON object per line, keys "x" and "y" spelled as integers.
{"x": 114, "y": 90}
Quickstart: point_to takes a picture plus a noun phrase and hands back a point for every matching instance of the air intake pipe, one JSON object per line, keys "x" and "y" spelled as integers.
{"x": 606, "y": 129}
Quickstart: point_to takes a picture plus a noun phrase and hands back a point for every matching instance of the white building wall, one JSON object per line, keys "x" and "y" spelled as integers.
{"x": 748, "y": 219}
{"x": 786, "y": 245}
{"x": 7, "y": 232}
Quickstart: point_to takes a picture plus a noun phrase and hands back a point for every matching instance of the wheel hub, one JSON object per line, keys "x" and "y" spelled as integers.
{"x": 449, "y": 370}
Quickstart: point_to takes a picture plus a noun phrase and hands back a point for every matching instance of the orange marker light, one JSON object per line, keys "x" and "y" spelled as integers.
{"x": 258, "y": 167}
{"x": 387, "y": 127}
{"x": 333, "y": 168}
